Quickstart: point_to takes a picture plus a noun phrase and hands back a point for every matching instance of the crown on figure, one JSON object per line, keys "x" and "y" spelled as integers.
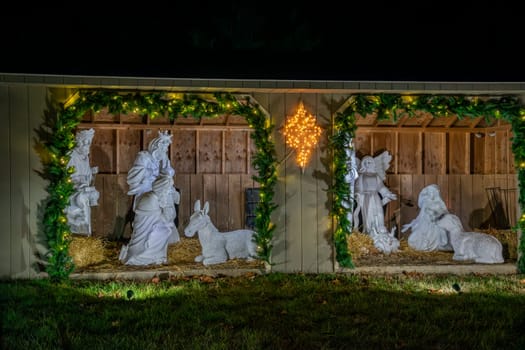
{"x": 164, "y": 136}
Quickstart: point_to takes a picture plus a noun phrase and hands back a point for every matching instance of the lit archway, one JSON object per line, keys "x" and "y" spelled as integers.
{"x": 392, "y": 107}
{"x": 57, "y": 139}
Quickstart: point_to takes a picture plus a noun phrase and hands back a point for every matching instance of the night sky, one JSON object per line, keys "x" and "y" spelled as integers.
{"x": 328, "y": 40}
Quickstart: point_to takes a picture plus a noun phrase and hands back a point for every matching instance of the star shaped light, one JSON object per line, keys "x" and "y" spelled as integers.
{"x": 302, "y": 134}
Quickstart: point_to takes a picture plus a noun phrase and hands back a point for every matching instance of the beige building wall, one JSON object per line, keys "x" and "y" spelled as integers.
{"x": 303, "y": 235}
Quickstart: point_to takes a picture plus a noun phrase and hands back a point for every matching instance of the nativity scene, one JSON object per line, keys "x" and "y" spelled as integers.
{"x": 391, "y": 207}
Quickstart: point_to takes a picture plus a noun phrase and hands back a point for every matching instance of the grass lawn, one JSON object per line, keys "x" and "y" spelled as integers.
{"x": 271, "y": 311}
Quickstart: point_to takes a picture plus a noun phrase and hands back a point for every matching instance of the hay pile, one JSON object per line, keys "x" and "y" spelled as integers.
{"x": 99, "y": 255}
{"x": 86, "y": 251}
{"x": 508, "y": 239}
{"x": 364, "y": 253}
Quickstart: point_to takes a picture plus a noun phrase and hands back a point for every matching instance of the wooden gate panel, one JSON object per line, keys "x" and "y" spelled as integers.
{"x": 102, "y": 151}
{"x": 236, "y": 149}
{"x": 182, "y": 182}
{"x": 434, "y": 156}
{"x": 409, "y": 158}
{"x": 363, "y": 144}
{"x": 210, "y": 152}
{"x": 129, "y": 144}
{"x": 235, "y": 203}
{"x": 183, "y": 155}
{"x": 501, "y": 151}
{"x": 221, "y": 201}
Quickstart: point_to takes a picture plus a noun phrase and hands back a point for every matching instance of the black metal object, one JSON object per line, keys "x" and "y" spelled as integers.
{"x": 501, "y": 206}
{"x": 251, "y": 198}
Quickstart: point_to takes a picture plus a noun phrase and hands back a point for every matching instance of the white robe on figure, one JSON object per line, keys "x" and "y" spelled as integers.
{"x": 85, "y": 196}
{"x": 153, "y": 230}
{"x": 144, "y": 171}
{"x": 426, "y": 234}
{"x": 371, "y": 195}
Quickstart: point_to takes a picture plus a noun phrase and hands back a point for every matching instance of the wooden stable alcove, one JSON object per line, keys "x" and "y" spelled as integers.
{"x": 211, "y": 158}
{"x": 470, "y": 159}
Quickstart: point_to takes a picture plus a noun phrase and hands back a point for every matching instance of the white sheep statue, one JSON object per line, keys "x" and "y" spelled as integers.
{"x": 218, "y": 247}
{"x": 480, "y": 247}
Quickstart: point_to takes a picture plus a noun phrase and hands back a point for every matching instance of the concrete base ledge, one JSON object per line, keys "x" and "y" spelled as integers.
{"x": 496, "y": 269}
{"x": 484, "y": 269}
{"x": 164, "y": 275}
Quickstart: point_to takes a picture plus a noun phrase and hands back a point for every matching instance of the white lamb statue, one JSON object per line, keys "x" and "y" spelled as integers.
{"x": 480, "y": 247}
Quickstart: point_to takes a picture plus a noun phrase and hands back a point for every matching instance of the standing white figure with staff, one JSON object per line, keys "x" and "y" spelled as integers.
{"x": 86, "y": 195}
{"x": 148, "y": 166}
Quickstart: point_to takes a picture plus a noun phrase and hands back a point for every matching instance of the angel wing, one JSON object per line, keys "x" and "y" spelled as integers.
{"x": 382, "y": 162}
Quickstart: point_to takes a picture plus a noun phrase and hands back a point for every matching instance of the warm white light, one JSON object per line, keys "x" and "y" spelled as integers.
{"x": 302, "y": 134}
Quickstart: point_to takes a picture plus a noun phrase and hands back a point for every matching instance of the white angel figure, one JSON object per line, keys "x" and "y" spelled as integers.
{"x": 371, "y": 194}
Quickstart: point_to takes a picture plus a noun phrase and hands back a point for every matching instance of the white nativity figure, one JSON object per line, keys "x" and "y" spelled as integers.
{"x": 385, "y": 241}
{"x": 148, "y": 165}
{"x": 371, "y": 194}
{"x": 218, "y": 247}
{"x": 153, "y": 226}
{"x": 426, "y": 235}
{"x": 479, "y": 247}
{"x": 350, "y": 177}
{"x": 78, "y": 211}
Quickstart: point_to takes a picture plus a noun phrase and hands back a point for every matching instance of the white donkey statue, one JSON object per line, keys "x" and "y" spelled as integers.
{"x": 218, "y": 247}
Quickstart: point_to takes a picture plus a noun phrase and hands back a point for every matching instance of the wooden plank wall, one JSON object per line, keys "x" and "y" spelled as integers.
{"x": 211, "y": 164}
{"x": 303, "y": 236}
{"x": 22, "y": 244}
{"x": 466, "y": 164}
{"x": 6, "y": 252}
{"x": 466, "y": 196}
{"x": 225, "y": 192}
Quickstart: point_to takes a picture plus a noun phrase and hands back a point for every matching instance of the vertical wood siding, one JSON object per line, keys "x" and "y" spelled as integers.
{"x": 23, "y": 190}
{"x": 213, "y": 164}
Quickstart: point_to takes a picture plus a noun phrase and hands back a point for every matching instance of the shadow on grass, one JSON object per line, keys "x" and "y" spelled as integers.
{"x": 274, "y": 311}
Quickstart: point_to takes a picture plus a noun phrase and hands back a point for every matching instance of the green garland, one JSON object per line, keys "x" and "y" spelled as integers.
{"x": 57, "y": 140}
{"x": 392, "y": 107}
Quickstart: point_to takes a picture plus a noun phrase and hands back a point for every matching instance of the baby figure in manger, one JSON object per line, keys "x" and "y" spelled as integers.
{"x": 86, "y": 195}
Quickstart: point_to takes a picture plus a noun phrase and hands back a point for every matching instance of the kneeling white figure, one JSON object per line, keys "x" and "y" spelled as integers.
{"x": 153, "y": 226}
{"x": 218, "y": 247}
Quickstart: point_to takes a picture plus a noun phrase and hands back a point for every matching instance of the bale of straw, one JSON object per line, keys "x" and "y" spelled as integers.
{"x": 86, "y": 251}
{"x": 508, "y": 239}
{"x": 361, "y": 244}
{"x": 184, "y": 251}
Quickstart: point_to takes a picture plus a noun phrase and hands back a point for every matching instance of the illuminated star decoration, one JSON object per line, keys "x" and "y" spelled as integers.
{"x": 302, "y": 134}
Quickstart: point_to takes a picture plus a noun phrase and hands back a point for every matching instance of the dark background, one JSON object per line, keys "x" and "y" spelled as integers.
{"x": 328, "y": 40}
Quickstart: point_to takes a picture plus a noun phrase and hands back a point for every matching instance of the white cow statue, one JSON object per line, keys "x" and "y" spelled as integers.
{"x": 218, "y": 247}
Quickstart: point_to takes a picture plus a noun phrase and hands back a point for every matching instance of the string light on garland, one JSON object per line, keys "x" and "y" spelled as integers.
{"x": 56, "y": 139}
{"x": 302, "y": 134}
{"x": 508, "y": 108}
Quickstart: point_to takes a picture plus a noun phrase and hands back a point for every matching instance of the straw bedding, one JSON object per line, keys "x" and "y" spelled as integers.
{"x": 103, "y": 257}
{"x": 92, "y": 254}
